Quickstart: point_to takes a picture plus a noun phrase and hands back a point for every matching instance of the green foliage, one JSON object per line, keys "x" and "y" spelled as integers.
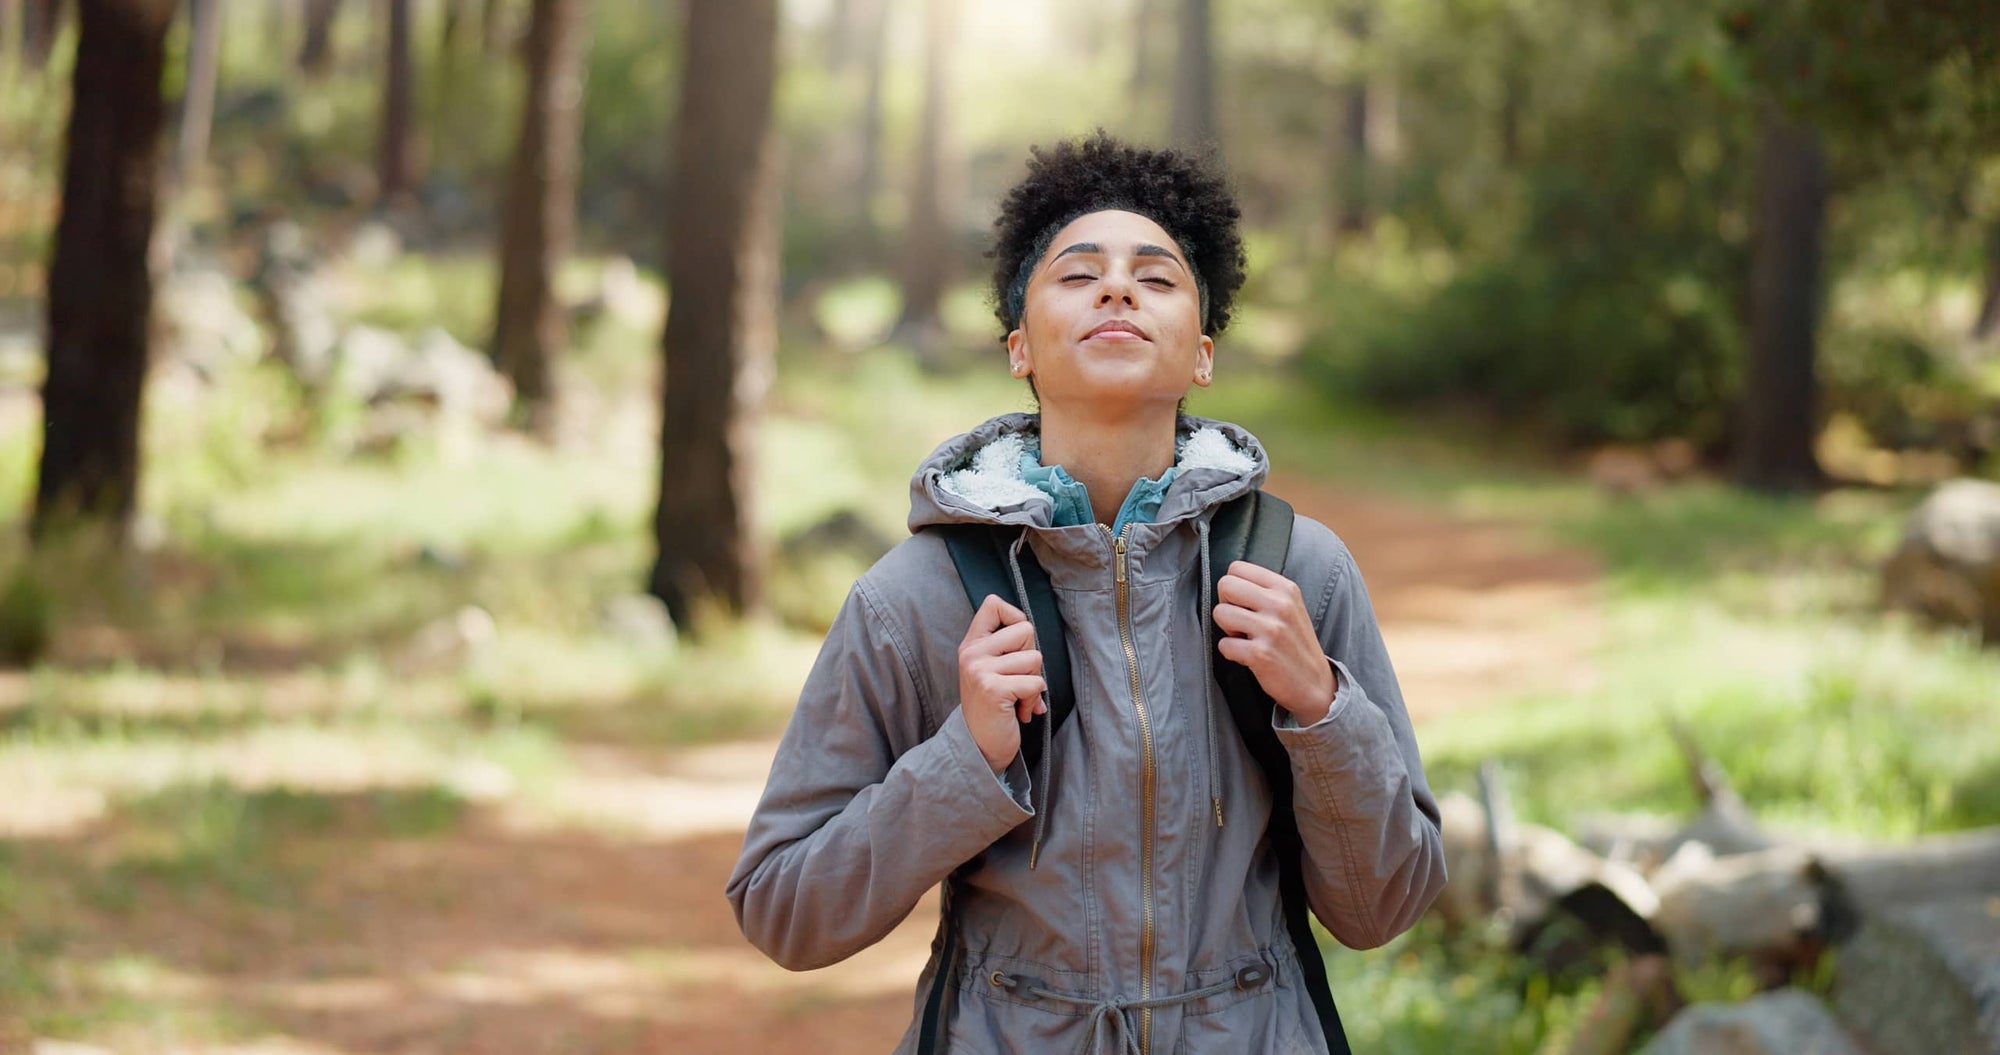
{"x": 1593, "y": 291}
{"x": 1426, "y": 994}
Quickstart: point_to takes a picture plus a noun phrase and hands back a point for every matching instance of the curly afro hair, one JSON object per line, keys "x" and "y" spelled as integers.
{"x": 1181, "y": 192}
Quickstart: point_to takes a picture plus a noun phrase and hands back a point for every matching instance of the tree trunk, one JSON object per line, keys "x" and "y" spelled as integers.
{"x": 316, "y": 51}
{"x": 1353, "y": 161}
{"x": 874, "y": 25}
{"x": 1194, "y": 79}
{"x": 100, "y": 291}
{"x": 1988, "y": 322}
{"x": 529, "y": 327}
{"x": 842, "y": 27}
{"x": 198, "y": 97}
{"x": 393, "y": 152}
{"x": 41, "y": 24}
{"x": 1145, "y": 56}
{"x": 451, "y": 24}
{"x": 493, "y": 33}
{"x": 927, "y": 237}
{"x": 1776, "y": 448}
{"x": 721, "y": 326}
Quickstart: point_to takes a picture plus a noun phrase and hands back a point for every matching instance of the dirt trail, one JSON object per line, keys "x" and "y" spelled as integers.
{"x": 526, "y": 935}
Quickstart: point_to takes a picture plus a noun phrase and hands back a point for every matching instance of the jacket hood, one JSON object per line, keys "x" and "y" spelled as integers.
{"x": 975, "y": 477}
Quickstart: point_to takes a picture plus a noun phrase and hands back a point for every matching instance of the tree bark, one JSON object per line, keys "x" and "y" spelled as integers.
{"x": 842, "y": 27}
{"x": 721, "y": 325}
{"x": 1145, "y": 56}
{"x": 451, "y": 24}
{"x": 198, "y": 97}
{"x": 874, "y": 27}
{"x": 1353, "y": 161}
{"x": 493, "y": 26}
{"x": 316, "y": 51}
{"x": 529, "y": 327}
{"x": 41, "y": 24}
{"x": 393, "y": 151}
{"x": 1775, "y": 452}
{"x": 100, "y": 291}
{"x": 1988, "y": 322}
{"x": 927, "y": 238}
{"x": 1194, "y": 80}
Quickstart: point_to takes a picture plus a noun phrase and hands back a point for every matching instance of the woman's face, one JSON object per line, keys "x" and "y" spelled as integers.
{"x": 1112, "y": 317}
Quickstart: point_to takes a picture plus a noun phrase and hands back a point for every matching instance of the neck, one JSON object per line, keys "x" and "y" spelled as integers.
{"x": 1107, "y": 455}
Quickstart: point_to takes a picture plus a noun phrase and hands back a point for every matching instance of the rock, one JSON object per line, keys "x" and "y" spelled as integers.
{"x": 843, "y": 531}
{"x": 641, "y": 621}
{"x": 1948, "y": 565}
{"x": 201, "y": 322}
{"x": 447, "y": 642}
{"x": 460, "y": 381}
{"x": 375, "y": 244}
{"x": 1780, "y": 1022}
{"x": 1925, "y": 979}
{"x": 368, "y": 362}
{"x": 294, "y": 302}
{"x": 438, "y": 374}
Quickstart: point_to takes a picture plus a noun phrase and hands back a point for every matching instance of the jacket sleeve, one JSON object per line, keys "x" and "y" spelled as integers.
{"x": 1374, "y": 854}
{"x": 862, "y": 814}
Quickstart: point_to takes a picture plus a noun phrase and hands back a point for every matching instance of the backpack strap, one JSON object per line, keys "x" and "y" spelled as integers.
{"x": 1258, "y": 528}
{"x": 979, "y": 551}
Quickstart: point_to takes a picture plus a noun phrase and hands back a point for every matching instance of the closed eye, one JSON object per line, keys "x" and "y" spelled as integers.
{"x": 1165, "y": 283}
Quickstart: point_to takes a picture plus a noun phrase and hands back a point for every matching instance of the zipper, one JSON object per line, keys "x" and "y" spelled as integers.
{"x": 1146, "y": 790}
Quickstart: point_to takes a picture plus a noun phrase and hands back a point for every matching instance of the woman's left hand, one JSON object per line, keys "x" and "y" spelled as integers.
{"x": 1268, "y": 630}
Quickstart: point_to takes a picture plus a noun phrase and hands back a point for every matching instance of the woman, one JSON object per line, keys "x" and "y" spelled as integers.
{"x": 1122, "y": 896}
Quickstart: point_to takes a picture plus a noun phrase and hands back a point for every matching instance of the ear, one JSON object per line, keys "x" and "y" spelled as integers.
{"x": 1020, "y": 361}
{"x": 1204, "y": 362}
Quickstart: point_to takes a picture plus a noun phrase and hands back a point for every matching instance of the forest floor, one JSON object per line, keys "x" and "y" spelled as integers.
{"x": 508, "y": 927}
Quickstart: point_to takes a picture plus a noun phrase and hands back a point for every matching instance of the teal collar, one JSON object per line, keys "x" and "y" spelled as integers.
{"x": 1072, "y": 499}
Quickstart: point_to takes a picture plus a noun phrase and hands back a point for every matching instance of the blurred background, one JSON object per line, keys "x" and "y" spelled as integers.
{"x": 434, "y": 435}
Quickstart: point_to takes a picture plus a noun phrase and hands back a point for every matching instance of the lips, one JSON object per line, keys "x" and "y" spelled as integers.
{"x": 1117, "y": 326}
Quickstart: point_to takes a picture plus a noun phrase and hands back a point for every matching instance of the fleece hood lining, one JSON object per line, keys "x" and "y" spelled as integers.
{"x": 992, "y": 478}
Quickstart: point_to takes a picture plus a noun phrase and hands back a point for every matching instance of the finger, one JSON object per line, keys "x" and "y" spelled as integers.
{"x": 986, "y": 619}
{"x": 1006, "y": 639}
{"x": 1244, "y": 593}
{"x": 1025, "y": 710}
{"x": 1244, "y": 650}
{"x": 1256, "y": 573}
{"x": 1238, "y": 621}
{"x": 1009, "y": 615}
{"x": 1020, "y": 688}
{"x": 1025, "y": 661}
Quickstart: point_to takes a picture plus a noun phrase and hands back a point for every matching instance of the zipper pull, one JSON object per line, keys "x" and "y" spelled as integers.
{"x": 1118, "y": 547}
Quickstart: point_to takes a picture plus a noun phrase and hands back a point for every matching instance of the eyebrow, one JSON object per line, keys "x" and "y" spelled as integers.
{"x": 1143, "y": 249}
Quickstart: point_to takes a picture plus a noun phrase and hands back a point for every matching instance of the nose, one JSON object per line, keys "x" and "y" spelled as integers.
{"x": 1117, "y": 285}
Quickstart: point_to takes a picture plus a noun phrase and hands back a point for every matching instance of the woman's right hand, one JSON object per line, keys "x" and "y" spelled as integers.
{"x": 1000, "y": 682}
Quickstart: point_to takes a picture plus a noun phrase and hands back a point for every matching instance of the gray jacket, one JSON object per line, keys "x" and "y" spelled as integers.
{"x": 1131, "y": 869}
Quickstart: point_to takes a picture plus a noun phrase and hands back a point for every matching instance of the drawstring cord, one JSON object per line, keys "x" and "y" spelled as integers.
{"x": 1208, "y": 671}
{"x": 1107, "y": 1017}
{"x": 1041, "y": 790}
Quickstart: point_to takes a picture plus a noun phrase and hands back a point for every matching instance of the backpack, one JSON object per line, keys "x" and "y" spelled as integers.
{"x": 1256, "y": 527}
